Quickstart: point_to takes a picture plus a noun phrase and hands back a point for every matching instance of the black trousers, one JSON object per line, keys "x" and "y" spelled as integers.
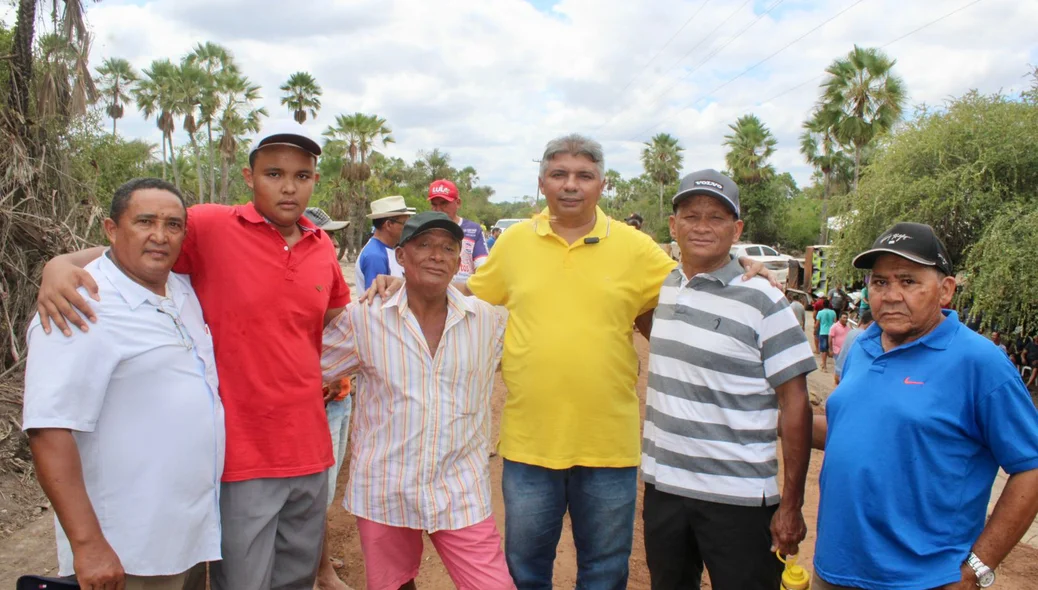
{"x": 734, "y": 542}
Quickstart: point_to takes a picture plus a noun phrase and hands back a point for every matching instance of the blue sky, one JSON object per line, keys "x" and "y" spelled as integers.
{"x": 491, "y": 81}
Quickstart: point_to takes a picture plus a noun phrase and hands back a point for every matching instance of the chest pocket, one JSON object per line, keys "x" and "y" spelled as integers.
{"x": 461, "y": 371}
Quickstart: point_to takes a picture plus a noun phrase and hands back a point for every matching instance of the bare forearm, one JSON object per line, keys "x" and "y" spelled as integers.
{"x": 60, "y": 474}
{"x": 1014, "y": 512}
{"x": 819, "y": 430}
{"x": 644, "y": 323}
{"x": 82, "y": 258}
{"x": 463, "y": 287}
{"x": 796, "y": 428}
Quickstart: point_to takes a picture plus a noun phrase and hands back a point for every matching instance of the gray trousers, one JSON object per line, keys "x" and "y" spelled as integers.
{"x": 273, "y": 532}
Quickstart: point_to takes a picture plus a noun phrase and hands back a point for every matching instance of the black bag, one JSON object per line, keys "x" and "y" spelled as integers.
{"x": 42, "y": 583}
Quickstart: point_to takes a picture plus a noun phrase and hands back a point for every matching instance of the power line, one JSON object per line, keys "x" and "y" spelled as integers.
{"x": 681, "y": 59}
{"x": 754, "y": 66}
{"x": 887, "y": 44}
{"x": 665, "y": 45}
{"x": 715, "y": 52}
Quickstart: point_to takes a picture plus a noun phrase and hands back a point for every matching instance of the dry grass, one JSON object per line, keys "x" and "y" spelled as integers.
{"x": 41, "y": 216}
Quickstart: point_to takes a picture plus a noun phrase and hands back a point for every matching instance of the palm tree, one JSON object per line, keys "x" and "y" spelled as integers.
{"x": 821, "y": 149}
{"x": 661, "y": 159}
{"x": 302, "y": 96}
{"x": 191, "y": 87}
{"x": 116, "y": 79}
{"x": 76, "y": 38}
{"x": 155, "y": 96}
{"x": 863, "y": 98}
{"x": 749, "y": 146}
{"x": 219, "y": 65}
{"x": 357, "y": 135}
{"x": 239, "y": 118}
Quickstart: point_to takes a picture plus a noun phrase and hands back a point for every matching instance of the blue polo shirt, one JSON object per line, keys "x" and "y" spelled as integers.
{"x": 916, "y": 435}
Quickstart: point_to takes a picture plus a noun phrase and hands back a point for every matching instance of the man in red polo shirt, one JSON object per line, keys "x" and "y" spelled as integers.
{"x": 268, "y": 281}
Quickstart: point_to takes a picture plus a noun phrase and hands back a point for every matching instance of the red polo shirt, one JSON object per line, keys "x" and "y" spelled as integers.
{"x": 265, "y": 303}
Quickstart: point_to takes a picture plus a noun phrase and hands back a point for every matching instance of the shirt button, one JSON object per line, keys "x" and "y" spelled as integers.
{"x": 286, "y": 248}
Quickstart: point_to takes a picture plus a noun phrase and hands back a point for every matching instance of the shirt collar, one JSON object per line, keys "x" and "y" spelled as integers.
{"x": 940, "y": 338}
{"x": 723, "y": 275}
{"x": 542, "y": 224}
{"x": 457, "y": 304}
{"x": 133, "y": 292}
{"x": 249, "y": 213}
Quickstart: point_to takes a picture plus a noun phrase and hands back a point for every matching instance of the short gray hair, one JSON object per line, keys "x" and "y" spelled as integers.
{"x": 574, "y": 144}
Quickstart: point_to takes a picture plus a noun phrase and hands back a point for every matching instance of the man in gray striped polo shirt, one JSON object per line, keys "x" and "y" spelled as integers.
{"x": 725, "y": 355}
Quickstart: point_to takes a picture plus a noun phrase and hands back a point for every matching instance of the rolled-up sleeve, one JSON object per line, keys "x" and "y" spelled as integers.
{"x": 339, "y": 346}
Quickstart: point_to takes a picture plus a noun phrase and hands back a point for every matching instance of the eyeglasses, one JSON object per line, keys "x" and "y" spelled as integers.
{"x": 169, "y": 309}
{"x": 395, "y": 221}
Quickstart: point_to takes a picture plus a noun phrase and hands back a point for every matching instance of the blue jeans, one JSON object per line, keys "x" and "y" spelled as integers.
{"x": 601, "y": 508}
{"x": 339, "y": 426}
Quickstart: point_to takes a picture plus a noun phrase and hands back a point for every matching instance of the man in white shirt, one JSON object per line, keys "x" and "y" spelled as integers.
{"x": 125, "y": 421}
{"x": 425, "y": 359}
{"x": 388, "y": 215}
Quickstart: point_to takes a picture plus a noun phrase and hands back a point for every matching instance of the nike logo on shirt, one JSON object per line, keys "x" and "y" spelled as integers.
{"x": 908, "y": 381}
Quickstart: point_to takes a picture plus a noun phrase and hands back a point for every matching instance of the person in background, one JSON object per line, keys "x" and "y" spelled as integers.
{"x": 837, "y": 334}
{"x": 848, "y": 342}
{"x": 388, "y": 215}
{"x": 925, "y": 416}
{"x": 444, "y": 197}
{"x": 337, "y": 406}
{"x": 634, "y": 220}
{"x": 996, "y": 339}
{"x": 816, "y": 306}
{"x": 825, "y": 319}
{"x": 839, "y": 300}
{"x": 1030, "y": 358}
{"x": 798, "y": 308}
{"x": 495, "y": 233}
{"x": 863, "y": 303}
{"x": 125, "y": 421}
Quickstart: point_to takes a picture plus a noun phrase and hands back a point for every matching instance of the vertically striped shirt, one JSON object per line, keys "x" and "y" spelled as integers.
{"x": 719, "y": 347}
{"x": 421, "y": 432}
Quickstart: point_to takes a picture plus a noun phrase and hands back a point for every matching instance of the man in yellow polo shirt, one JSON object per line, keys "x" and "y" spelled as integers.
{"x": 574, "y": 281}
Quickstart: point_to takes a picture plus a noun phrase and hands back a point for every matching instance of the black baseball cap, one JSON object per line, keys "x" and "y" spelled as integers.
{"x": 711, "y": 183}
{"x": 430, "y": 220}
{"x": 912, "y": 241}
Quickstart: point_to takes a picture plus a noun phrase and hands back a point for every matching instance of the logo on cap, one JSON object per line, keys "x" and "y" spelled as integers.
{"x": 440, "y": 190}
{"x": 895, "y": 238}
{"x": 710, "y": 183}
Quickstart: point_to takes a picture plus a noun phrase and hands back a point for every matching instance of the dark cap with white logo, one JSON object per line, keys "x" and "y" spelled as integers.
{"x": 712, "y": 184}
{"x": 912, "y": 241}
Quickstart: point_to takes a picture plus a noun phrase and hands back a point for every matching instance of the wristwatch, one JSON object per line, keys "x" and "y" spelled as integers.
{"x": 985, "y": 575}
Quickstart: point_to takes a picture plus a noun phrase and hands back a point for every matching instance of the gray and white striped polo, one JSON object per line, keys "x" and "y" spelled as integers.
{"x": 719, "y": 347}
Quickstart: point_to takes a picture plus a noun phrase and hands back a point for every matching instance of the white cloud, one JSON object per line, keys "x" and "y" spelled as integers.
{"x": 491, "y": 81}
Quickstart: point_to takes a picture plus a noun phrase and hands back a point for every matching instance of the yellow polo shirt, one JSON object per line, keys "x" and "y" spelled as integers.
{"x": 569, "y": 359}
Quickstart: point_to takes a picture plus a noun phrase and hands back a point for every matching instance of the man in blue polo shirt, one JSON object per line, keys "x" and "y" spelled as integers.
{"x": 925, "y": 414}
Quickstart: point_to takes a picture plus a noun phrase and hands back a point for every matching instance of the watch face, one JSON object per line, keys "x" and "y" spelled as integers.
{"x": 986, "y": 580}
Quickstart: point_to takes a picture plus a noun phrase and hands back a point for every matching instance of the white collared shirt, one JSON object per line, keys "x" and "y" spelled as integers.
{"x": 139, "y": 392}
{"x": 421, "y": 432}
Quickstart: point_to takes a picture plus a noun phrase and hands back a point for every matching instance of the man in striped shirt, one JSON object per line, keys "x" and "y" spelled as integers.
{"x": 725, "y": 354}
{"x": 425, "y": 358}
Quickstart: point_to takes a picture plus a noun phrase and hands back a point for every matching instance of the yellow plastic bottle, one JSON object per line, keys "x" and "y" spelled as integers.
{"x": 794, "y": 577}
